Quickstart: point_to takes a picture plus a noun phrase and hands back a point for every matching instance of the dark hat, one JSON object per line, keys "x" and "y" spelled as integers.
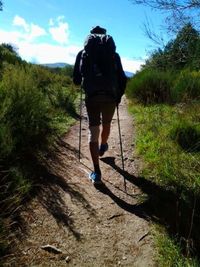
{"x": 98, "y": 30}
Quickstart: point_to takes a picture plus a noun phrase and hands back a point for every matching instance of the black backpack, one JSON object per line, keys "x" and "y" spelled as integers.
{"x": 97, "y": 65}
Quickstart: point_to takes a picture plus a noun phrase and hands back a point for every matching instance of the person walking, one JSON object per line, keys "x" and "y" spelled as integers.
{"x": 99, "y": 71}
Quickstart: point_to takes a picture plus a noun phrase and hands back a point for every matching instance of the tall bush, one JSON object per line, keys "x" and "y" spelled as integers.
{"x": 26, "y": 113}
{"x": 31, "y": 104}
{"x": 150, "y": 86}
{"x": 186, "y": 86}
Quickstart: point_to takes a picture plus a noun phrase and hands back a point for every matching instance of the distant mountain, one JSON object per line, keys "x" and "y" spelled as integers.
{"x": 62, "y": 65}
{"x": 129, "y": 74}
{"x": 56, "y": 65}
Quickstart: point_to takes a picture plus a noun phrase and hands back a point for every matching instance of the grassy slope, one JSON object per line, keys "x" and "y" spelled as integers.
{"x": 167, "y": 163}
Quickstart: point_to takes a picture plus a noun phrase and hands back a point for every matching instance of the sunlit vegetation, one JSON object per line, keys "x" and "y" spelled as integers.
{"x": 37, "y": 105}
{"x": 165, "y": 102}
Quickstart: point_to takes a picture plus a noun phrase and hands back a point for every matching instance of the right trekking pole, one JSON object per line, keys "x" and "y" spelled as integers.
{"x": 120, "y": 141}
{"x": 80, "y": 124}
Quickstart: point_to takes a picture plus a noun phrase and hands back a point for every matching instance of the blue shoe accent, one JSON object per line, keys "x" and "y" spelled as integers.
{"x": 95, "y": 178}
{"x": 103, "y": 148}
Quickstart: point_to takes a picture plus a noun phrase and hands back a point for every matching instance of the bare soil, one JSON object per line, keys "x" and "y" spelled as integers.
{"x": 90, "y": 225}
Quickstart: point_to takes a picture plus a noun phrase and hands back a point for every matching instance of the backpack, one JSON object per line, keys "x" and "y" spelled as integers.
{"x": 97, "y": 65}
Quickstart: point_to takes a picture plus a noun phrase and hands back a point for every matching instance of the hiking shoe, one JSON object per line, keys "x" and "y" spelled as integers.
{"x": 103, "y": 148}
{"x": 95, "y": 178}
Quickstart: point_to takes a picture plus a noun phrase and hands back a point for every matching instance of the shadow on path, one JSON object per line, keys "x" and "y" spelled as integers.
{"x": 162, "y": 206}
{"x": 51, "y": 190}
{"x": 148, "y": 209}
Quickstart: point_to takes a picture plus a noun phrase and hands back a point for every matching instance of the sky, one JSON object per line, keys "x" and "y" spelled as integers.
{"x": 49, "y": 31}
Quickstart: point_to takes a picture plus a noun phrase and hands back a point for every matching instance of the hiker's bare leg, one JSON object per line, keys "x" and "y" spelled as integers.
{"x": 94, "y": 146}
{"x": 107, "y": 115}
{"x": 105, "y": 133}
{"x": 94, "y": 151}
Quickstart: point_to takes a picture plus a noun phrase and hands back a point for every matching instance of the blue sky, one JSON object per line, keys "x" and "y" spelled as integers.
{"x": 48, "y": 31}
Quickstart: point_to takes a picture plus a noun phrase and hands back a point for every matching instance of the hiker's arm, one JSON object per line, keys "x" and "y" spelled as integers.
{"x": 122, "y": 79}
{"x": 77, "y": 78}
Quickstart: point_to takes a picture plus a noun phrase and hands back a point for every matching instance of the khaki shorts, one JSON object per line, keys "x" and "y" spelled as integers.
{"x": 100, "y": 109}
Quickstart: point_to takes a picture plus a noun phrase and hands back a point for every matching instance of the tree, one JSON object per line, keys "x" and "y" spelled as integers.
{"x": 181, "y": 52}
{"x": 179, "y": 12}
{"x": 8, "y": 53}
{"x": 174, "y": 5}
{"x": 158, "y": 60}
{"x": 183, "y": 49}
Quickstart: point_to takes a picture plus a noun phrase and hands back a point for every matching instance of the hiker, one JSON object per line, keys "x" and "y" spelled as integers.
{"x": 99, "y": 70}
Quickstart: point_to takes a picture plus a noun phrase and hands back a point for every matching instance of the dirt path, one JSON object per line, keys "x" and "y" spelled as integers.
{"x": 91, "y": 226}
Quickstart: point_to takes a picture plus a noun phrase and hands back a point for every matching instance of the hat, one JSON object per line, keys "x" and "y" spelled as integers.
{"x": 98, "y": 30}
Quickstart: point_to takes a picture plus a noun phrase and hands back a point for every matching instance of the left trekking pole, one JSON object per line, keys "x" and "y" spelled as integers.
{"x": 80, "y": 124}
{"x": 120, "y": 141}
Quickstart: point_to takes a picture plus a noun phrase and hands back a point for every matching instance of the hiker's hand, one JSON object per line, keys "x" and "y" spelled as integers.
{"x": 118, "y": 100}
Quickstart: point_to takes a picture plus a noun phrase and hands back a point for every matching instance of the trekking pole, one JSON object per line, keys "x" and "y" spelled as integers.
{"x": 80, "y": 124}
{"x": 120, "y": 140}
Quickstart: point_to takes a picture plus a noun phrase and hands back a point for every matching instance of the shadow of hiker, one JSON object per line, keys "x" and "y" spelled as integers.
{"x": 134, "y": 209}
{"x": 160, "y": 206}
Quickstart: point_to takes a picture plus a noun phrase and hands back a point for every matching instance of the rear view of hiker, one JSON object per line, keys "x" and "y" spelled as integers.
{"x": 98, "y": 68}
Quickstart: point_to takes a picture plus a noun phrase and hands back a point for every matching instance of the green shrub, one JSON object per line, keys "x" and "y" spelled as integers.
{"x": 6, "y": 140}
{"x": 150, "y": 86}
{"x": 56, "y": 87}
{"x": 3, "y": 240}
{"x": 31, "y": 110}
{"x": 188, "y": 137}
{"x": 170, "y": 251}
{"x": 14, "y": 185}
{"x": 27, "y": 114}
{"x": 186, "y": 86}
{"x": 62, "y": 97}
{"x": 164, "y": 159}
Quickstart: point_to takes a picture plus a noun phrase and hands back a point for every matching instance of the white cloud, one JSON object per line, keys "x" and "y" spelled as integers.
{"x": 131, "y": 64}
{"x": 51, "y": 23}
{"x": 47, "y": 53}
{"x": 60, "y": 18}
{"x": 25, "y": 38}
{"x": 19, "y": 21}
{"x": 36, "y": 31}
{"x": 10, "y": 37}
{"x": 30, "y": 31}
{"x": 59, "y": 33}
